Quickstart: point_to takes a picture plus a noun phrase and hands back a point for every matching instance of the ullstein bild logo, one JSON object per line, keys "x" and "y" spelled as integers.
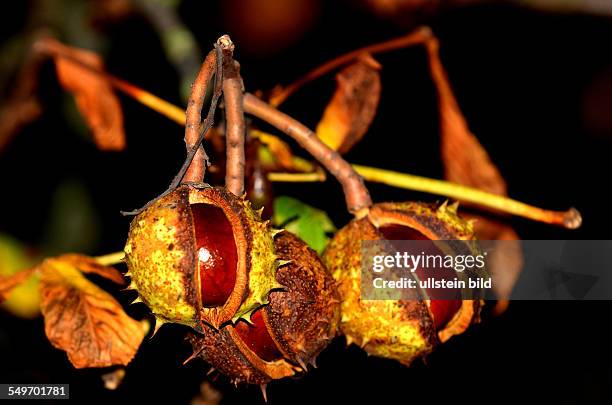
{"x": 552, "y": 270}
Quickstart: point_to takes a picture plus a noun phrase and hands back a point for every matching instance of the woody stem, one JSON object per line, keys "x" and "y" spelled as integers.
{"x": 416, "y": 37}
{"x": 197, "y": 167}
{"x": 235, "y": 126}
{"x": 358, "y": 199}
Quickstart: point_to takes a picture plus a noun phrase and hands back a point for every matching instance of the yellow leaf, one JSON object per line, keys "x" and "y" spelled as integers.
{"x": 18, "y": 284}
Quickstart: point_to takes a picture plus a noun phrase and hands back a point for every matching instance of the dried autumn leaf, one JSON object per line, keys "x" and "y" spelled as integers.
{"x": 353, "y": 106}
{"x": 88, "y": 264}
{"x": 94, "y": 95}
{"x": 8, "y": 284}
{"x": 505, "y": 259}
{"x": 84, "y": 320}
{"x": 14, "y": 115}
{"x": 276, "y": 154}
{"x": 467, "y": 162}
{"x": 22, "y": 105}
{"x": 281, "y": 152}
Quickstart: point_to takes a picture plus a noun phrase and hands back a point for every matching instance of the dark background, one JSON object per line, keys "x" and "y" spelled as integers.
{"x": 536, "y": 88}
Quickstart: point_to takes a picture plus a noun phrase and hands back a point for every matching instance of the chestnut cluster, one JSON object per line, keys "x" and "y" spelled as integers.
{"x": 260, "y": 300}
{"x": 261, "y": 304}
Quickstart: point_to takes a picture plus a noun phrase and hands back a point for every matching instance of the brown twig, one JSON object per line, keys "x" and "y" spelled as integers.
{"x": 197, "y": 168}
{"x": 570, "y": 219}
{"x": 357, "y": 196}
{"x": 195, "y": 131}
{"x": 194, "y": 170}
{"x": 234, "y": 137}
{"x": 416, "y": 37}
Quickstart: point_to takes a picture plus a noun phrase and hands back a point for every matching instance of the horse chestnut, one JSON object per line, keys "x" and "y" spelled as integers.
{"x": 282, "y": 337}
{"x": 398, "y": 329}
{"x": 200, "y": 255}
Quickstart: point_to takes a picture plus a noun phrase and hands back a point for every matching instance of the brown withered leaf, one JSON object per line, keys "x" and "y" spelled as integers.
{"x": 352, "y": 108}
{"x": 88, "y": 264}
{"x": 21, "y": 105}
{"x": 467, "y": 162}
{"x": 278, "y": 154}
{"x": 94, "y": 95}
{"x": 7, "y": 284}
{"x": 280, "y": 150}
{"x": 16, "y": 114}
{"x": 84, "y": 320}
{"x": 505, "y": 257}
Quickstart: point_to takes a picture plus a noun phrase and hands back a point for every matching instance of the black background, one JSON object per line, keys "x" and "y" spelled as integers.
{"x": 521, "y": 78}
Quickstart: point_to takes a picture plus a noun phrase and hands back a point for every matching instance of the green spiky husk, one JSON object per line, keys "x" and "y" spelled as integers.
{"x": 394, "y": 329}
{"x": 160, "y": 259}
{"x": 263, "y": 263}
{"x": 161, "y": 255}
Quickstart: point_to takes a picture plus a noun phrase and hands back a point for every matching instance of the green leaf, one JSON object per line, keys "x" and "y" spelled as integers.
{"x": 310, "y": 224}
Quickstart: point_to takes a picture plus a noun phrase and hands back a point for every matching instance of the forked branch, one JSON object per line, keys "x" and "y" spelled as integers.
{"x": 569, "y": 219}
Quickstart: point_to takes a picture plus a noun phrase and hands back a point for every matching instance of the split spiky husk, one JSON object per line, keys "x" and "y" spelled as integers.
{"x": 162, "y": 257}
{"x": 300, "y": 320}
{"x": 397, "y": 329}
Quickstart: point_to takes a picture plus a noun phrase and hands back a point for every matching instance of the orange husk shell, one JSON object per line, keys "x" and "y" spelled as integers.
{"x": 301, "y": 319}
{"x": 395, "y": 329}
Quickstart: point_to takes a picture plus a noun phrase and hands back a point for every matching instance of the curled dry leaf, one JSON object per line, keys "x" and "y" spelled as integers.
{"x": 88, "y": 264}
{"x": 465, "y": 159}
{"x": 84, "y": 320}
{"x": 276, "y": 154}
{"x": 353, "y": 106}
{"x": 281, "y": 152}
{"x": 21, "y": 105}
{"x": 505, "y": 258}
{"x": 76, "y": 70}
{"x": 8, "y": 284}
{"x": 467, "y": 162}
